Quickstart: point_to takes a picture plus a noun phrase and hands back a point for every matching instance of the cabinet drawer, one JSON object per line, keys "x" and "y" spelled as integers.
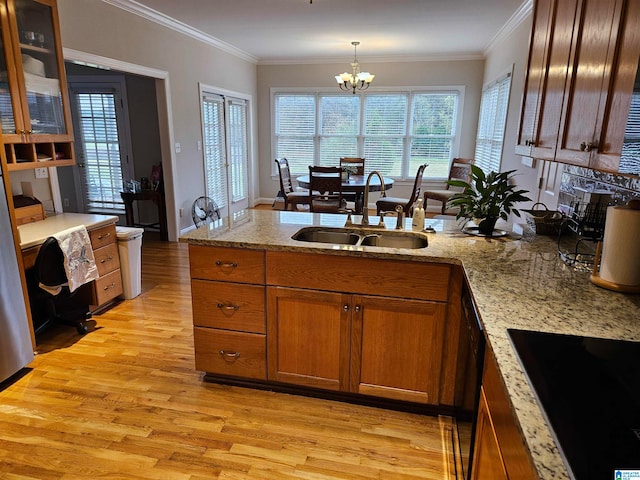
{"x": 390, "y": 278}
{"x": 30, "y": 213}
{"x": 230, "y": 353}
{"x": 107, "y": 287}
{"x": 102, "y": 236}
{"x": 226, "y": 264}
{"x": 107, "y": 259}
{"x": 230, "y": 306}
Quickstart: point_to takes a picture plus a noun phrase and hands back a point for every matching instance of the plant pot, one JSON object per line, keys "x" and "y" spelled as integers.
{"x": 487, "y": 225}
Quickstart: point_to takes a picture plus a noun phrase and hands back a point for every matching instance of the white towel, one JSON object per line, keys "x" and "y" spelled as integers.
{"x": 79, "y": 262}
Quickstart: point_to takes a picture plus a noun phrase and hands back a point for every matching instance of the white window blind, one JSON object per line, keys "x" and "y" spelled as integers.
{"x": 630, "y": 157}
{"x": 215, "y": 171}
{"x": 395, "y": 131}
{"x": 238, "y": 155}
{"x": 100, "y": 150}
{"x": 491, "y": 124}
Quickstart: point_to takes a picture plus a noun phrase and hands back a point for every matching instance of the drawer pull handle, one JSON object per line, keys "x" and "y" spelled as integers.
{"x": 229, "y": 356}
{"x": 113, "y": 285}
{"x": 226, "y": 264}
{"x": 228, "y": 306}
{"x": 106, "y": 235}
{"x": 108, "y": 259}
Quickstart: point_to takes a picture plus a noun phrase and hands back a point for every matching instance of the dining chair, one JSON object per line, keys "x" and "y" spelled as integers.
{"x": 325, "y": 189}
{"x": 356, "y": 162}
{"x": 388, "y": 204}
{"x": 291, "y": 197}
{"x": 460, "y": 170}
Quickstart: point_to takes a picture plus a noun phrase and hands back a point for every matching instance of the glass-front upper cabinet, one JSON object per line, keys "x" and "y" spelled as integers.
{"x": 34, "y": 102}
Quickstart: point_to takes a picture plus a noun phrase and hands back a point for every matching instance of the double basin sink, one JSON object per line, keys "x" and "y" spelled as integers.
{"x": 366, "y": 237}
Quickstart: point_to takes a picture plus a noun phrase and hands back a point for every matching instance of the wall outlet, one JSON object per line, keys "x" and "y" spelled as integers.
{"x": 42, "y": 173}
{"x": 178, "y": 147}
{"x": 65, "y": 202}
{"x": 181, "y": 212}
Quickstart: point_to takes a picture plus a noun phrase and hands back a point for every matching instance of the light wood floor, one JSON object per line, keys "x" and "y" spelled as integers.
{"x": 124, "y": 402}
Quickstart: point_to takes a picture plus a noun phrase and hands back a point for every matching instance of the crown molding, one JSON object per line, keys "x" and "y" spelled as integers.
{"x": 152, "y": 15}
{"x": 373, "y": 59}
{"x": 514, "y": 22}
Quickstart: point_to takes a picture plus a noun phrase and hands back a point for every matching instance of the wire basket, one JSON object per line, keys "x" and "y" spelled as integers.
{"x": 544, "y": 222}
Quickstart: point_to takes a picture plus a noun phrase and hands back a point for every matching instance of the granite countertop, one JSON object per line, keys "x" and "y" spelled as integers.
{"x": 35, "y": 233}
{"x": 516, "y": 283}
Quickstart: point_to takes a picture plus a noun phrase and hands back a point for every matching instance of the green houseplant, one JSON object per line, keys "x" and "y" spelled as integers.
{"x": 486, "y": 198}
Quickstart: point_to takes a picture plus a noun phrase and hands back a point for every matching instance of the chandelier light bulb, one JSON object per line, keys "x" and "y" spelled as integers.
{"x": 356, "y": 80}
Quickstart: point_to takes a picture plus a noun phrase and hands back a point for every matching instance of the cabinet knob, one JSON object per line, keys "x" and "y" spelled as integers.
{"x": 106, "y": 235}
{"x": 113, "y": 285}
{"x": 588, "y": 146}
{"x": 345, "y": 308}
{"x": 357, "y": 309}
{"x": 228, "y": 306}
{"x": 226, "y": 264}
{"x": 229, "y": 355}
{"x": 108, "y": 259}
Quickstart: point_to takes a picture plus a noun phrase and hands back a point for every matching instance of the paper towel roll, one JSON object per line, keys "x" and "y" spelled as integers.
{"x": 620, "y": 262}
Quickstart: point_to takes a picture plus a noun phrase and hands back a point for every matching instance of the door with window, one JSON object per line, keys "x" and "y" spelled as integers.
{"x": 102, "y": 150}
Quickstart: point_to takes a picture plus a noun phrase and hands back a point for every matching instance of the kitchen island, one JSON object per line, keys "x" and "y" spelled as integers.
{"x": 515, "y": 283}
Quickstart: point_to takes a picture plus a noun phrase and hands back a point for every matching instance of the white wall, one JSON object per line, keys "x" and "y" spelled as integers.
{"x": 409, "y": 74}
{"x": 512, "y": 52}
{"x": 94, "y": 27}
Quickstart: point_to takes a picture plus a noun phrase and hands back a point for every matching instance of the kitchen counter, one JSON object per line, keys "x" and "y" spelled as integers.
{"x": 35, "y": 233}
{"x": 516, "y": 283}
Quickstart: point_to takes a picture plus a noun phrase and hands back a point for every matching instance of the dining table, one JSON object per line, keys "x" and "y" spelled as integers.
{"x": 355, "y": 184}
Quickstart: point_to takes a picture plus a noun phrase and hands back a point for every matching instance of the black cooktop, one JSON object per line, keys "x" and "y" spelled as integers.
{"x": 589, "y": 389}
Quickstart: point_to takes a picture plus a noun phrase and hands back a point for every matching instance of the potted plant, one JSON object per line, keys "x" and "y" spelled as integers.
{"x": 486, "y": 198}
{"x": 347, "y": 171}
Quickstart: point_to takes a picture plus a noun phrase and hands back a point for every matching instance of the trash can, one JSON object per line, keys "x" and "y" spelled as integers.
{"x": 129, "y": 249}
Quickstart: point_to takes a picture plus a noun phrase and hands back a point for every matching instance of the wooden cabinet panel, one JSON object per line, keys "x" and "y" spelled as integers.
{"x": 102, "y": 236}
{"x": 230, "y": 353}
{"x": 227, "y": 264}
{"x": 107, "y": 258}
{"x": 308, "y": 335}
{"x": 107, "y": 288}
{"x": 391, "y": 278}
{"x": 397, "y": 348}
{"x": 229, "y": 306}
{"x": 487, "y": 462}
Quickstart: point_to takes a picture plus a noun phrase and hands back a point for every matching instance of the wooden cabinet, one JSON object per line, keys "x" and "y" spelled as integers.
{"x": 34, "y": 103}
{"x": 228, "y": 300}
{"x": 582, "y": 66}
{"x": 499, "y": 451}
{"x": 109, "y": 283}
{"x": 367, "y": 333}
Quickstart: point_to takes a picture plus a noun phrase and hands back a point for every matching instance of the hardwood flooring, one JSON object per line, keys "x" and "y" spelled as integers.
{"x": 124, "y": 402}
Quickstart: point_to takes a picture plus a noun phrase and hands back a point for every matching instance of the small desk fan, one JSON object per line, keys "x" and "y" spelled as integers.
{"x": 203, "y": 211}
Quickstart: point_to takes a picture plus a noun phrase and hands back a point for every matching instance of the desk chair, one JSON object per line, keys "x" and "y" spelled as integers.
{"x": 325, "y": 189}
{"x": 388, "y": 204}
{"x": 291, "y": 197}
{"x": 460, "y": 170}
{"x": 48, "y": 307}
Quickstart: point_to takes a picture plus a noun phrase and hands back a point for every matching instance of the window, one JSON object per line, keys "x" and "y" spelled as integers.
{"x": 491, "y": 124}
{"x": 630, "y": 158}
{"x": 99, "y": 118}
{"x": 395, "y": 131}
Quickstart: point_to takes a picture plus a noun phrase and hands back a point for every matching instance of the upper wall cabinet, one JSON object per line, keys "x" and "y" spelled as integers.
{"x": 34, "y": 103}
{"x": 582, "y": 66}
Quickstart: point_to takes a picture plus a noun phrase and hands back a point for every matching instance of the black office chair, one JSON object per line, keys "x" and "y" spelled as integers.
{"x": 47, "y": 307}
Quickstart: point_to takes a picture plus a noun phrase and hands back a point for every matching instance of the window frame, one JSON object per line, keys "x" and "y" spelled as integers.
{"x": 410, "y": 92}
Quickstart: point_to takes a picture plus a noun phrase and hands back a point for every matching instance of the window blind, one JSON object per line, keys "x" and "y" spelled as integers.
{"x": 491, "y": 124}
{"x": 630, "y": 157}
{"x": 214, "y": 148}
{"x": 238, "y": 155}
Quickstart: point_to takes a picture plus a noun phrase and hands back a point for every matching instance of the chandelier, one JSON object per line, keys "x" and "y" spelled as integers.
{"x": 356, "y": 80}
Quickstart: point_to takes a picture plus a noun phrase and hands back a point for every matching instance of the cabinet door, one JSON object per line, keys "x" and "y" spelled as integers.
{"x": 589, "y": 77}
{"x": 40, "y": 71}
{"x": 10, "y": 104}
{"x": 397, "y": 348}
{"x": 308, "y": 337}
{"x": 487, "y": 460}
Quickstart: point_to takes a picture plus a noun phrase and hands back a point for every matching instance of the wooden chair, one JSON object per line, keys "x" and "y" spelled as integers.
{"x": 460, "y": 170}
{"x": 325, "y": 189}
{"x": 291, "y": 197}
{"x": 356, "y": 162}
{"x": 388, "y": 204}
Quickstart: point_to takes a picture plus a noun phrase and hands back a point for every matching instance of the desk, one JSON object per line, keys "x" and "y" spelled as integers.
{"x": 157, "y": 196}
{"x": 355, "y": 185}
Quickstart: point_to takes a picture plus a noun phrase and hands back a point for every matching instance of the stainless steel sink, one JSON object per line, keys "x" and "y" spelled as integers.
{"x": 362, "y": 237}
{"x": 336, "y": 236}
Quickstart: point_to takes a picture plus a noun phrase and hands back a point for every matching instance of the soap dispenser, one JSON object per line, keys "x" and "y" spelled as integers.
{"x": 417, "y": 222}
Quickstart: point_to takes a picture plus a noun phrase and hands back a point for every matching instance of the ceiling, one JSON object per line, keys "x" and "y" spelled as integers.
{"x": 296, "y": 31}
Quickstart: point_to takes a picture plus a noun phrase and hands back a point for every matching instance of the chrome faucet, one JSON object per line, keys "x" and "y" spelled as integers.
{"x": 365, "y": 207}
